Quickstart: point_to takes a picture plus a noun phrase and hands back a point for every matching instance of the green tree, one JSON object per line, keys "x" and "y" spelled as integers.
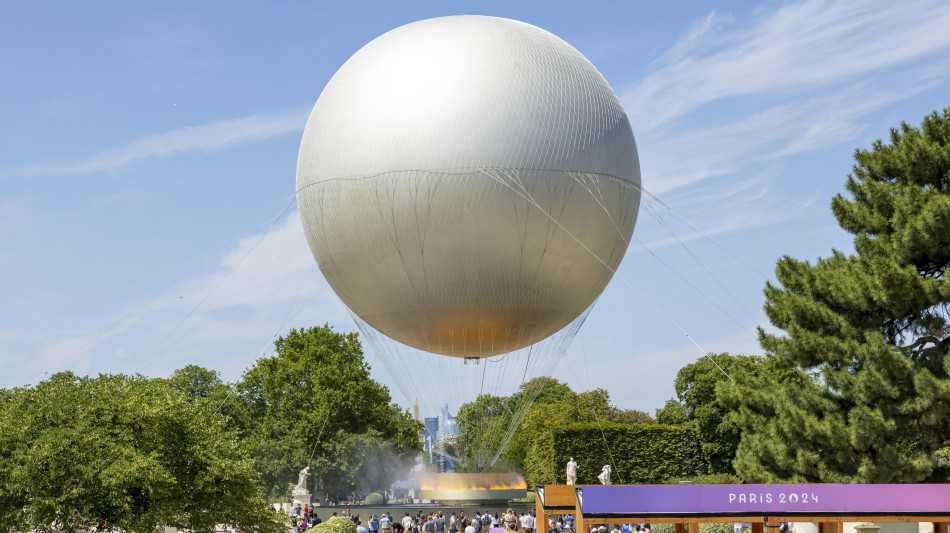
{"x": 673, "y": 413}
{"x": 871, "y": 325}
{"x": 198, "y": 383}
{"x": 314, "y": 403}
{"x": 121, "y": 453}
{"x": 485, "y": 422}
{"x": 482, "y": 423}
{"x": 701, "y": 387}
{"x": 541, "y": 422}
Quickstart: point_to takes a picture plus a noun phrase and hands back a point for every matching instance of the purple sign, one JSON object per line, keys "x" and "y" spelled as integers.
{"x": 825, "y": 499}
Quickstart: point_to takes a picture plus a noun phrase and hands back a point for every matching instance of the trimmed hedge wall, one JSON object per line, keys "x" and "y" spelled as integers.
{"x": 642, "y": 453}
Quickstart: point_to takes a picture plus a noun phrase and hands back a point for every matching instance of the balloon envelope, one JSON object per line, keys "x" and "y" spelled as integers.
{"x": 468, "y": 185}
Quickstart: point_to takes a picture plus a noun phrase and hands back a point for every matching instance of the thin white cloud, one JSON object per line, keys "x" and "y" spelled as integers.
{"x": 698, "y": 36}
{"x": 804, "y": 45}
{"x": 205, "y": 137}
{"x": 223, "y": 316}
{"x": 12, "y": 209}
{"x": 809, "y": 74}
{"x": 738, "y": 207}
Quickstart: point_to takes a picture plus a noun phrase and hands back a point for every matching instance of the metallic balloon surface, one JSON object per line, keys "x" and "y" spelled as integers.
{"x": 468, "y": 185}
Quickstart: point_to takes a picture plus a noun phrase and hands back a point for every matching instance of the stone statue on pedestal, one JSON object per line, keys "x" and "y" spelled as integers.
{"x": 571, "y": 472}
{"x": 301, "y": 486}
{"x": 604, "y": 476}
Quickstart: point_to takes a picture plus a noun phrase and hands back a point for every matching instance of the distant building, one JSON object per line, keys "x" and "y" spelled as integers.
{"x": 437, "y": 433}
{"x": 430, "y": 433}
{"x": 448, "y": 429}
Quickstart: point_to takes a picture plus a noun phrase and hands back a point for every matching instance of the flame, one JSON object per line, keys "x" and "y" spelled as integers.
{"x": 481, "y": 481}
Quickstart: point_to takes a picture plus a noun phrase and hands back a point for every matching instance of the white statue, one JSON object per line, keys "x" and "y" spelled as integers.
{"x": 604, "y": 476}
{"x": 571, "y": 472}
{"x": 301, "y": 486}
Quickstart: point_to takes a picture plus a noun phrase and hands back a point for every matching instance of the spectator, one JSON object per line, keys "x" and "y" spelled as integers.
{"x": 510, "y": 519}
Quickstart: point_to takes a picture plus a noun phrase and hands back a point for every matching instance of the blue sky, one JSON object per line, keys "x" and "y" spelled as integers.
{"x": 149, "y": 153}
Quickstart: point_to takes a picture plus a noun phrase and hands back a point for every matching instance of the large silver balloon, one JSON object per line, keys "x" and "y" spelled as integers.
{"x": 468, "y": 185}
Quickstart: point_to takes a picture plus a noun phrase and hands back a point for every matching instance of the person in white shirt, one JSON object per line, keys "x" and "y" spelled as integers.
{"x": 469, "y": 528}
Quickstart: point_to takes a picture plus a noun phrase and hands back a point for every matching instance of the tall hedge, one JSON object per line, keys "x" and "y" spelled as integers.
{"x": 640, "y": 453}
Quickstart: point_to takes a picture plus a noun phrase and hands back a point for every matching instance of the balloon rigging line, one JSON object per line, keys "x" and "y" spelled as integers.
{"x": 522, "y": 411}
{"x": 639, "y": 189}
{"x": 531, "y": 201}
{"x": 560, "y": 343}
{"x": 481, "y": 415}
{"x": 319, "y": 436}
{"x": 686, "y": 221}
{"x": 503, "y": 360}
{"x": 659, "y": 219}
{"x": 232, "y": 389}
{"x": 157, "y": 351}
{"x": 600, "y": 424}
{"x": 153, "y": 297}
{"x": 293, "y": 302}
{"x": 263, "y": 351}
{"x": 690, "y": 285}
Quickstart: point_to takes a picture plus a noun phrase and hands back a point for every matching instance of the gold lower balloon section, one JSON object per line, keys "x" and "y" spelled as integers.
{"x": 469, "y": 264}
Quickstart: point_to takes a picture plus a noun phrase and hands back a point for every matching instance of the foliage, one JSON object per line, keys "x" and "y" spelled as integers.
{"x": 872, "y": 325}
{"x": 374, "y": 498}
{"x": 541, "y": 422}
{"x": 673, "y": 413}
{"x": 705, "y": 409}
{"x": 484, "y": 423}
{"x": 711, "y": 527}
{"x": 121, "y": 453}
{"x": 716, "y": 527}
{"x": 530, "y": 497}
{"x": 638, "y": 453}
{"x": 197, "y": 382}
{"x": 315, "y": 396}
{"x": 710, "y": 479}
{"x": 337, "y": 524}
{"x": 942, "y": 465}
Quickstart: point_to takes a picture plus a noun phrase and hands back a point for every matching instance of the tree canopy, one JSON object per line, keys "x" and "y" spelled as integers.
{"x": 121, "y": 453}
{"x": 870, "y": 325}
{"x": 314, "y": 403}
{"x": 483, "y": 422}
{"x": 702, "y": 388}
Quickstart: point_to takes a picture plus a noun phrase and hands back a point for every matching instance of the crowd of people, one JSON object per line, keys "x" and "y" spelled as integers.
{"x": 305, "y": 517}
{"x": 615, "y": 528}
